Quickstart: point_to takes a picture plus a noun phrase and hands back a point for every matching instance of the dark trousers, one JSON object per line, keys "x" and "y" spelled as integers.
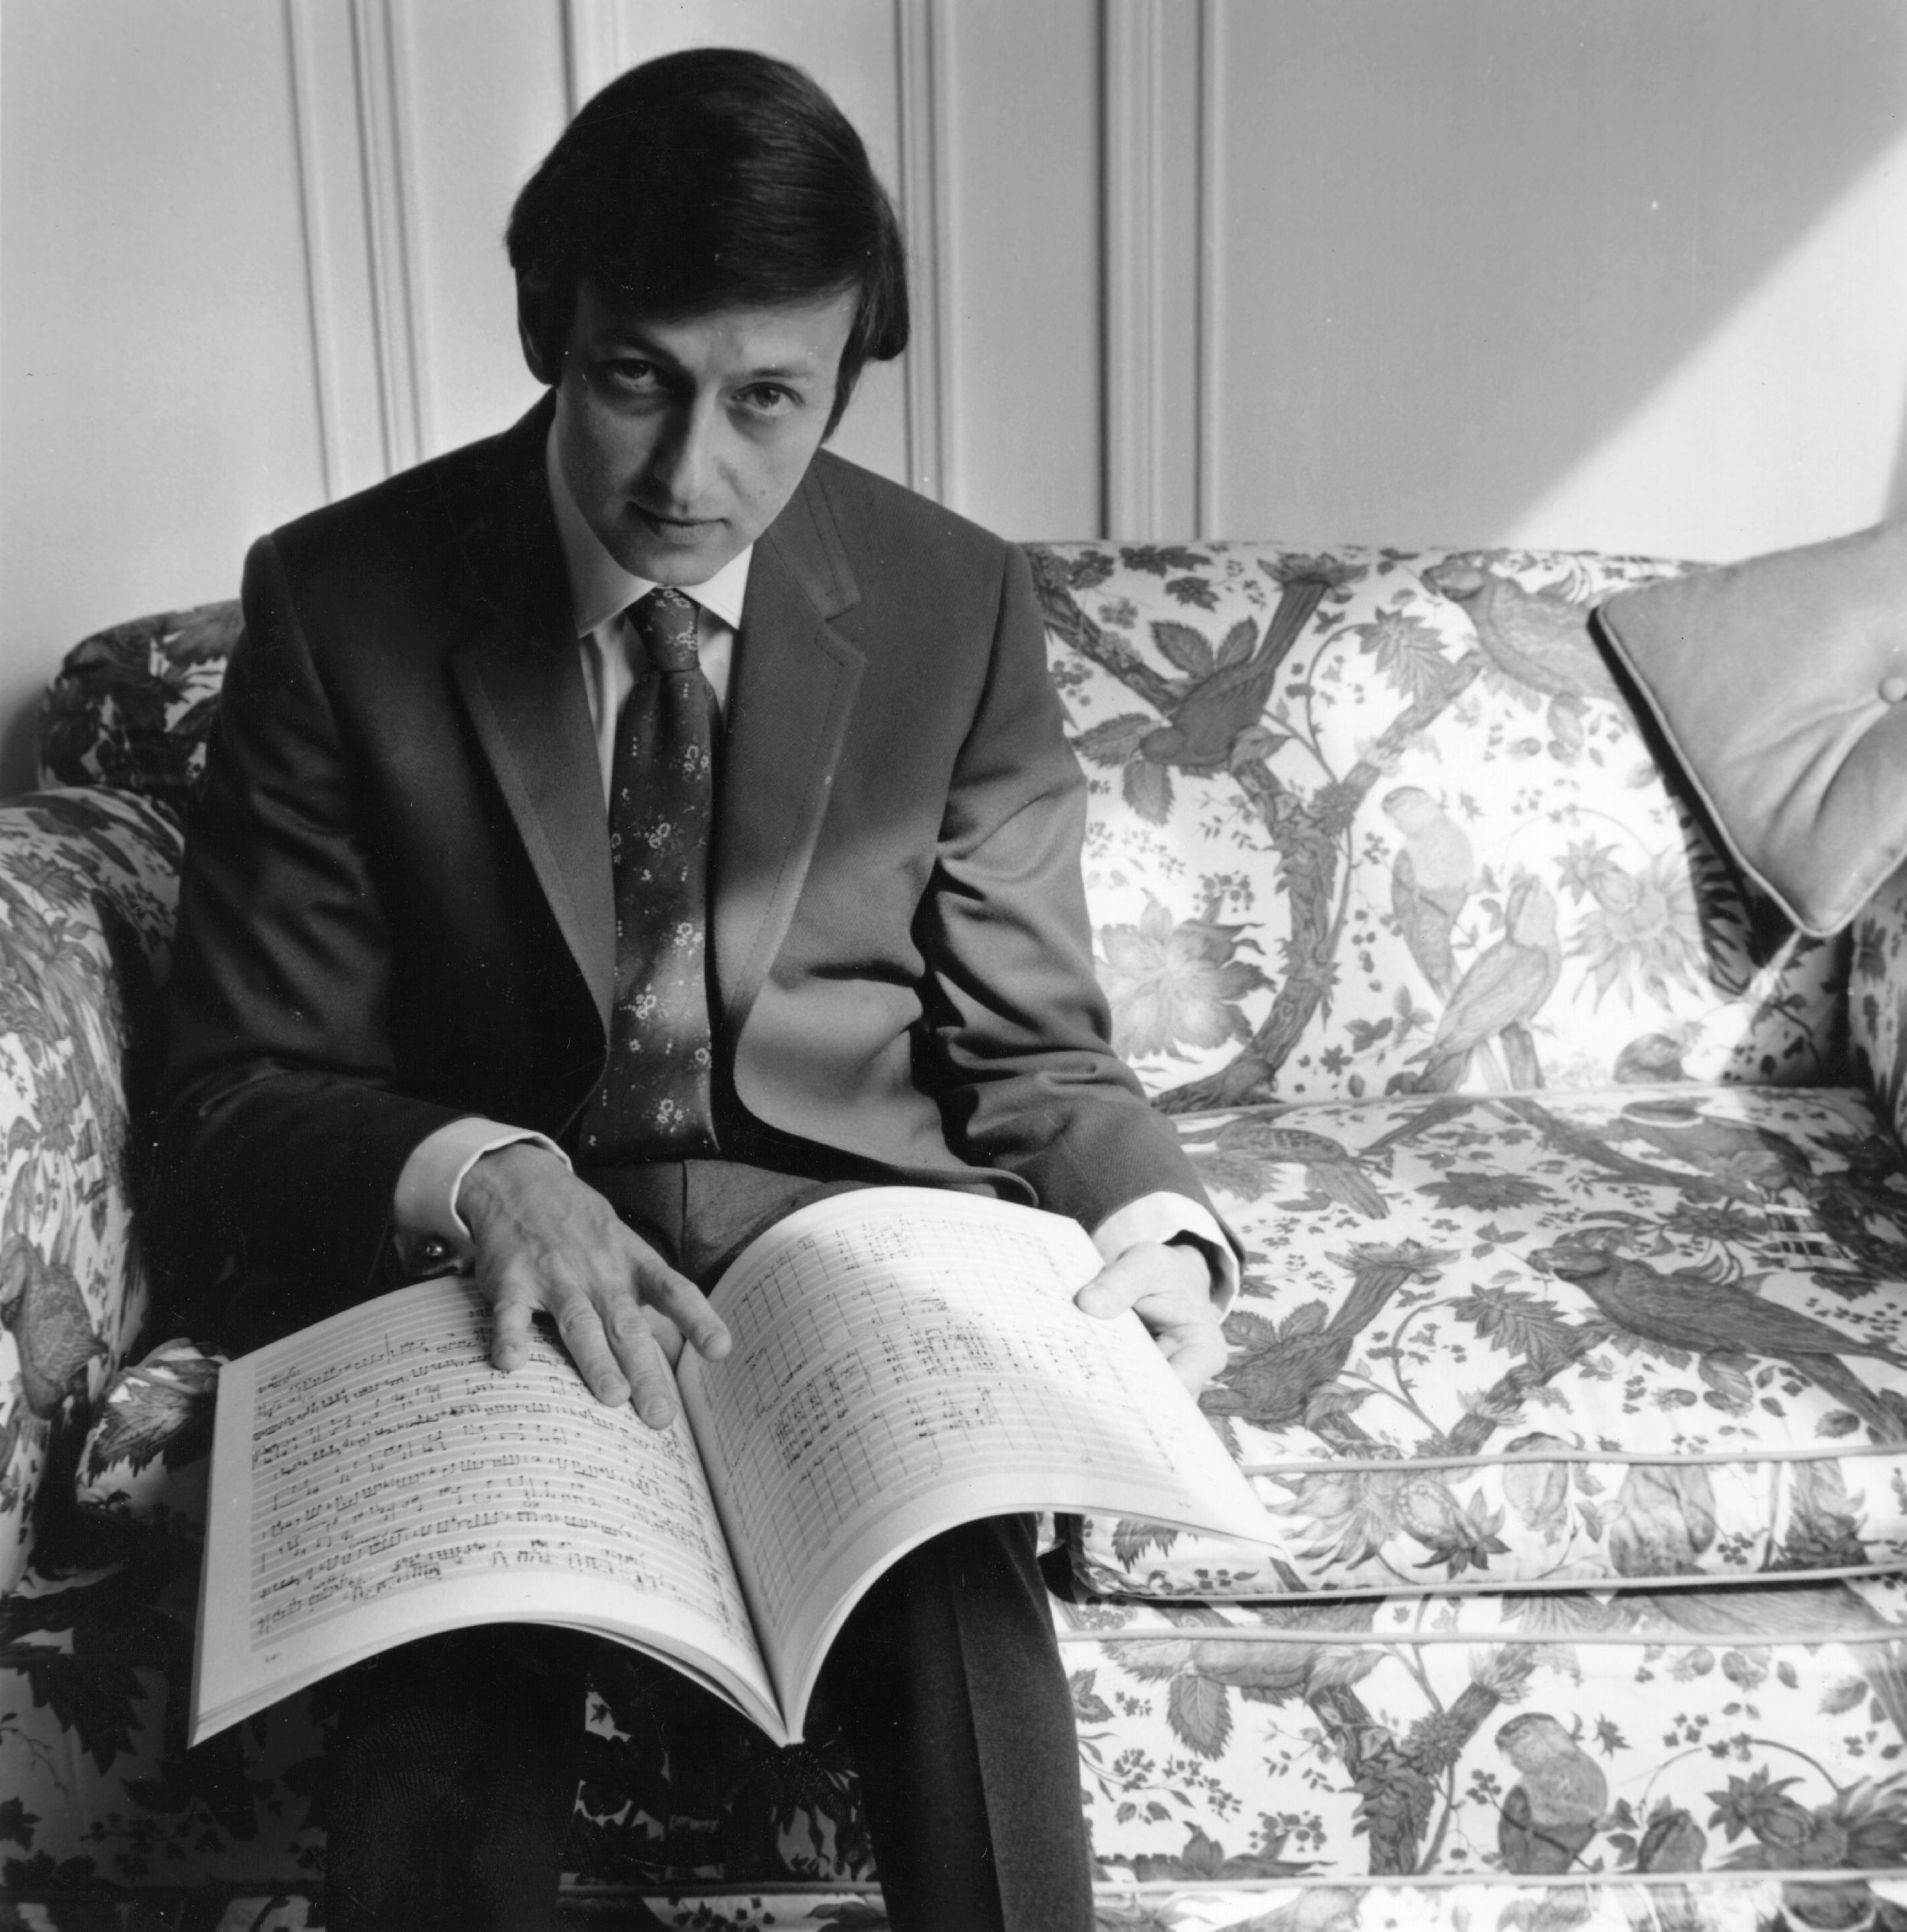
{"x": 455, "y": 1761}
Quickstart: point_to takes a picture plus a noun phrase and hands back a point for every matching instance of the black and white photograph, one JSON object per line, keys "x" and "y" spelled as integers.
{"x": 953, "y": 965}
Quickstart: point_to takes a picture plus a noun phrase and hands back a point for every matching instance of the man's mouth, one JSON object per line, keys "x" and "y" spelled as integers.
{"x": 679, "y": 527}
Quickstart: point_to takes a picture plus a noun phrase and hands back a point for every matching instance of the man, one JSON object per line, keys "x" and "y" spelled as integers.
{"x": 542, "y": 918}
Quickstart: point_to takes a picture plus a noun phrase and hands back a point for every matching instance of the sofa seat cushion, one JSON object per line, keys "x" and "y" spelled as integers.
{"x": 1529, "y": 1341}
{"x": 1628, "y": 1733}
{"x": 1370, "y": 820}
{"x": 1717, "y": 1733}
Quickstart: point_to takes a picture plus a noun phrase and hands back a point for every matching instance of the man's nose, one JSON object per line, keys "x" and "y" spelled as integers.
{"x": 684, "y": 462}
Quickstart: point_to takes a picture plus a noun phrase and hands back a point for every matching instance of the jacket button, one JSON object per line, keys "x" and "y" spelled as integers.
{"x": 1893, "y": 690}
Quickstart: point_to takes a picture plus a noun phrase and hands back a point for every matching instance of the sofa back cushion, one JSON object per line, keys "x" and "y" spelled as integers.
{"x": 1362, "y": 822}
{"x": 1368, "y": 822}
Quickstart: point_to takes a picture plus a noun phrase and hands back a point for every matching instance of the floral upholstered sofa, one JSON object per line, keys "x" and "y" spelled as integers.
{"x": 1571, "y": 1361}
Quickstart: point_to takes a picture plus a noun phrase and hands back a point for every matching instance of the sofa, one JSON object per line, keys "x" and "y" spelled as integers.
{"x": 1570, "y": 1358}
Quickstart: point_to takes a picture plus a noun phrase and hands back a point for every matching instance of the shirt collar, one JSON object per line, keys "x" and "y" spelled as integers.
{"x": 601, "y": 589}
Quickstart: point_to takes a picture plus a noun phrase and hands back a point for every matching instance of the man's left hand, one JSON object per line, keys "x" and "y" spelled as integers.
{"x": 1169, "y": 1288}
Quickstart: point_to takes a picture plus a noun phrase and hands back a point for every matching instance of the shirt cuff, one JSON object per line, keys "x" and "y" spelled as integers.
{"x": 432, "y": 1236}
{"x": 1166, "y": 1216}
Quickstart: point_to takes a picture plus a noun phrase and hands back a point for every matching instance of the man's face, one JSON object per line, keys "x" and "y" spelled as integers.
{"x": 681, "y": 440}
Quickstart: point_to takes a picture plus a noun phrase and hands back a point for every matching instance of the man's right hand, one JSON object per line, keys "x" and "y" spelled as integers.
{"x": 544, "y": 1241}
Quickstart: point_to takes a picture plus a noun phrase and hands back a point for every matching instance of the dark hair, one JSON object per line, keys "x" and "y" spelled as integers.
{"x": 712, "y": 179}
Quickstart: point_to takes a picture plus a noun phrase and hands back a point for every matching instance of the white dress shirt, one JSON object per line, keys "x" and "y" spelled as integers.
{"x": 427, "y": 1227}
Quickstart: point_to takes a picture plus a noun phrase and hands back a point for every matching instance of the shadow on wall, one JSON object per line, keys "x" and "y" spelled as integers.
{"x": 1483, "y": 234}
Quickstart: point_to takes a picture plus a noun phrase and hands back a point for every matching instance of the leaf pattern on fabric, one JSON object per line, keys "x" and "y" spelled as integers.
{"x": 1499, "y": 1077}
{"x": 1644, "y": 1333}
{"x": 86, "y": 911}
{"x": 1420, "y": 799}
{"x": 132, "y": 706}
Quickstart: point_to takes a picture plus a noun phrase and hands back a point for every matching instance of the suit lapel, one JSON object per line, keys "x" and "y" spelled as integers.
{"x": 517, "y": 670}
{"x": 789, "y": 703}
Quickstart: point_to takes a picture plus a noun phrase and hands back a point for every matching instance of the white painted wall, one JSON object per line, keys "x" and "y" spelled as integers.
{"x": 1628, "y": 274}
{"x": 156, "y": 384}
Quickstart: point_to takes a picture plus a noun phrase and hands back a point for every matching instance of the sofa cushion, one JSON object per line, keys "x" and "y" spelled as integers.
{"x": 86, "y": 915}
{"x": 132, "y": 706}
{"x": 1522, "y": 1341}
{"x": 1738, "y": 1734}
{"x": 1781, "y": 684}
{"x": 1369, "y": 820}
{"x": 1594, "y": 1735}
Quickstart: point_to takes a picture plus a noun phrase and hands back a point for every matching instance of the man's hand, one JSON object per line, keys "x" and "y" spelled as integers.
{"x": 545, "y": 1240}
{"x": 1170, "y": 1289}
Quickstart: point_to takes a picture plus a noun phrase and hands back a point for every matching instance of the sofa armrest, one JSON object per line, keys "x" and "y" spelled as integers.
{"x": 1877, "y": 1000}
{"x": 88, "y": 897}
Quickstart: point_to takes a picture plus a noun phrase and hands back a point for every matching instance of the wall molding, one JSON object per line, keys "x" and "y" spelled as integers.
{"x": 320, "y": 283}
{"x": 1208, "y": 232}
{"x": 380, "y": 49}
{"x": 354, "y": 116}
{"x": 1133, "y": 63}
{"x": 594, "y": 50}
{"x": 927, "y": 214}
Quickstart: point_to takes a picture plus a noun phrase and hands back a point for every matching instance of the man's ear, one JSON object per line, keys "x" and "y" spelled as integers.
{"x": 527, "y": 333}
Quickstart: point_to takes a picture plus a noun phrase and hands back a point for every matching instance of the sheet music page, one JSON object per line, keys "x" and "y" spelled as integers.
{"x": 374, "y": 1479}
{"x": 909, "y": 1358}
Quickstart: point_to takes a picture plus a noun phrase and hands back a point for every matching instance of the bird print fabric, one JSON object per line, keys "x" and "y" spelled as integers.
{"x": 1576, "y": 1272}
{"x": 1368, "y": 821}
{"x": 1512, "y": 1338}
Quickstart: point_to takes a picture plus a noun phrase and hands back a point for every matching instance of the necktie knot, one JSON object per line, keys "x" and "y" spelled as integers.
{"x": 665, "y": 620}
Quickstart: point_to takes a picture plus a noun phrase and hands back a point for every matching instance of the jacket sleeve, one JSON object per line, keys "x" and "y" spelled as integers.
{"x": 1022, "y": 1059}
{"x": 280, "y": 1139}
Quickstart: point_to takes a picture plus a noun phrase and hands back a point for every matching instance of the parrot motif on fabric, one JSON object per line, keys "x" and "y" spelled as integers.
{"x": 1555, "y": 1808}
{"x": 1503, "y": 991}
{"x": 1272, "y": 1381}
{"x": 1536, "y": 639}
{"x": 1430, "y": 881}
{"x": 1748, "y": 1160}
{"x": 1710, "y": 1318}
{"x": 1245, "y": 1151}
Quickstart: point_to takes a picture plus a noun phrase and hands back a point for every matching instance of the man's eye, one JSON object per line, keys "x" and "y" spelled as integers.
{"x": 768, "y": 400}
{"x": 626, "y": 373}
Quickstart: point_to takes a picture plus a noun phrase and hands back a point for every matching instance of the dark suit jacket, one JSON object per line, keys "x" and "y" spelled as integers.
{"x": 396, "y": 903}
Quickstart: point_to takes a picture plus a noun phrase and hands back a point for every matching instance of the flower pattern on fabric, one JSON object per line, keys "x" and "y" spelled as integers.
{"x": 1877, "y": 1000}
{"x": 1173, "y": 985}
{"x": 86, "y": 897}
{"x": 132, "y": 706}
{"x": 1566, "y": 1358}
{"x": 1526, "y": 1340}
{"x": 1404, "y": 786}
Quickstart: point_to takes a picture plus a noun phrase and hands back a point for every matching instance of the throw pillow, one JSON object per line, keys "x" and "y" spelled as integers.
{"x": 1781, "y": 683}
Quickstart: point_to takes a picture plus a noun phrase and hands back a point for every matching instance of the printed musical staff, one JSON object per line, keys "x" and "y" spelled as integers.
{"x": 378, "y": 1469}
{"x": 877, "y": 1362}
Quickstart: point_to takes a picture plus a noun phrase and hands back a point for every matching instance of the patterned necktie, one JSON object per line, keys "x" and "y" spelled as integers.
{"x": 653, "y": 1103}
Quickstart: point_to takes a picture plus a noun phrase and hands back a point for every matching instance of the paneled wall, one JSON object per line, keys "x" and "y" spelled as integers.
{"x": 1628, "y": 274}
